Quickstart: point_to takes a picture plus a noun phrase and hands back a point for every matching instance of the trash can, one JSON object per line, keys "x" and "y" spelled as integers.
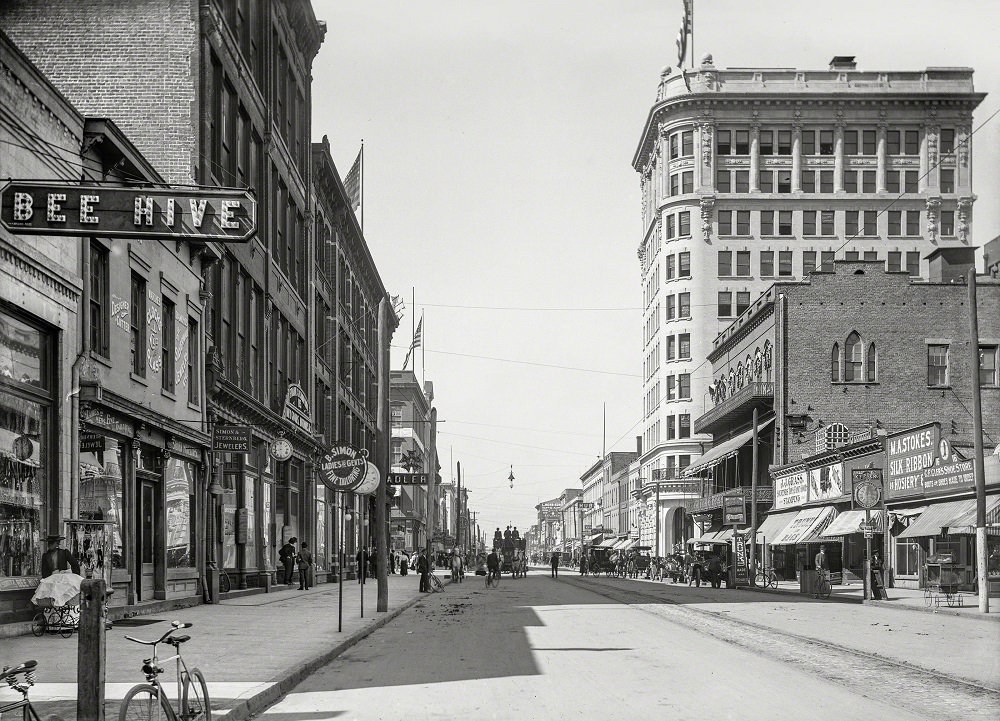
{"x": 807, "y": 581}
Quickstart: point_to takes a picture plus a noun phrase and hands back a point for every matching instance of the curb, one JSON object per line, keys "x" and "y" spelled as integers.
{"x": 247, "y": 708}
{"x": 944, "y": 611}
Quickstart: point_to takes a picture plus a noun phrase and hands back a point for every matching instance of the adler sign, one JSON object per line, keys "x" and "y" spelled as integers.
{"x": 220, "y": 215}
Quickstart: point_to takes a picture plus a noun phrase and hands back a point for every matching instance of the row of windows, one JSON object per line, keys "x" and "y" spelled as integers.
{"x": 938, "y": 365}
{"x": 821, "y": 142}
{"x": 815, "y": 181}
{"x": 855, "y": 365}
{"x": 898, "y": 223}
{"x": 742, "y": 267}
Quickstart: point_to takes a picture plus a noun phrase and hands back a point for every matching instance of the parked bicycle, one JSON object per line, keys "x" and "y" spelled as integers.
{"x": 11, "y": 674}
{"x": 147, "y": 701}
{"x": 433, "y": 582}
{"x": 766, "y": 578}
{"x": 823, "y": 586}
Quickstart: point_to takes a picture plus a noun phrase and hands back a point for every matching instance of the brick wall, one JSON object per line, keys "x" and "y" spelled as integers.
{"x": 131, "y": 61}
{"x": 899, "y": 316}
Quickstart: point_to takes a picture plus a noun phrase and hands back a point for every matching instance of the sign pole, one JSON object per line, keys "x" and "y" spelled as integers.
{"x": 340, "y": 569}
{"x": 868, "y": 555}
{"x": 364, "y": 552}
{"x": 982, "y": 579}
{"x": 753, "y": 505}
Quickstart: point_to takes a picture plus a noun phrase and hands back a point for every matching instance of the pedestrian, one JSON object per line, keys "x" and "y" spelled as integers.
{"x": 361, "y": 557}
{"x": 820, "y": 560}
{"x": 423, "y": 568}
{"x": 287, "y": 557}
{"x": 57, "y": 558}
{"x": 715, "y": 570}
{"x": 583, "y": 565}
{"x": 305, "y": 562}
{"x": 404, "y": 563}
{"x": 554, "y": 561}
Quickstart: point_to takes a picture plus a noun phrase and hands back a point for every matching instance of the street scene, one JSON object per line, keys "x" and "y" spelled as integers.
{"x": 525, "y": 360}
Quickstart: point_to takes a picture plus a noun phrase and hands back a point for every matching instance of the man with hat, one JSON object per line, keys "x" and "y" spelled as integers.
{"x": 57, "y": 558}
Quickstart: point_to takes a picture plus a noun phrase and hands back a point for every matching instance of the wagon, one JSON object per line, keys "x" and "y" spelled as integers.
{"x": 942, "y": 578}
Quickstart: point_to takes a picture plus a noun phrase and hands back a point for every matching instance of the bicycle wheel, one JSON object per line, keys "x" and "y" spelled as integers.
{"x": 928, "y": 597}
{"x": 760, "y": 580}
{"x": 772, "y": 579}
{"x": 823, "y": 589}
{"x": 436, "y": 584}
{"x": 38, "y": 625}
{"x": 142, "y": 703}
{"x": 223, "y": 582}
{"x": 195, "y": 705}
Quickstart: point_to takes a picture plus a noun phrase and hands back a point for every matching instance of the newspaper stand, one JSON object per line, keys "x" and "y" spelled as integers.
{"x": 942, "y": 577}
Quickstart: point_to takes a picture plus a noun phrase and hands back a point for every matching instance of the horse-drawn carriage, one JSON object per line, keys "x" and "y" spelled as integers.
{"x": 512, "y": 556}
{"x": 601, "y": 560}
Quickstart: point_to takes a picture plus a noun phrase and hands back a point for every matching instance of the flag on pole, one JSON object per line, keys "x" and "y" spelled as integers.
{"x": 352, "y": 182}
{"x": 415, "y": 343}
{"x": 682, "y": 34}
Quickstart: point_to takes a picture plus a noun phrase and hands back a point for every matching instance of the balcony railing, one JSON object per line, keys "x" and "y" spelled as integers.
{"x": 765, "y": 494}
{"x": 761, "y": 392}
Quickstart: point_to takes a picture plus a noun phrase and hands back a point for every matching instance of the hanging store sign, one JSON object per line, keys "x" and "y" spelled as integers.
{"x": 343, "y": 468}
{"x": 54, "y": 208}
{"x": 907, "y": 455}
{"x": 867, "y": 484}
{"x": 734, "y": 509}
{"x": 409, "y": 479}
{"x": 296, "y": 409}
{"x": 232, "y": 439}
{"x": 741, "y": 568}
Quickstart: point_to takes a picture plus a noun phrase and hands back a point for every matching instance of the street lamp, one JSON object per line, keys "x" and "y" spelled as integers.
{"x": 511, "y": 477}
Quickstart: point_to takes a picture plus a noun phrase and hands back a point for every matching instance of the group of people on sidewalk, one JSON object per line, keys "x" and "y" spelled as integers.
{"x": 290, "y": 557}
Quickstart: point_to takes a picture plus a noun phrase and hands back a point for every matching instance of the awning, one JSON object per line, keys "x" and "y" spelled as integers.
{"x": 937, "y": 517}
{"x": 708, "y": 540}
{"x": 619, "y": 544}
{"x": 775, "y": 523}
{"x": 807, "y": 523}
{"x": 850, "y": 522}
{"x": 966, "y": 523}
{"x": 724, "y": 450}
{"x": 595, "y": 539}
{"x": 608, "y": 543}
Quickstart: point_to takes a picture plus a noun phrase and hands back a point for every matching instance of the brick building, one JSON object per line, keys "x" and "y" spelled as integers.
{"x": 756, "y": 175}
{"x": 834, "y": 364}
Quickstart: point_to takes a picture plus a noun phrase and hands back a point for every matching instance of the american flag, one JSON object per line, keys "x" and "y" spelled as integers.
{"x": 682, "y": 34}
{"x": 415, "y": 343}
{"x": 352, "y": 182}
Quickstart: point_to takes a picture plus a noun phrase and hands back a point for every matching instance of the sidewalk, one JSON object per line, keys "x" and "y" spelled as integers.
{"x": 252, "y": 649}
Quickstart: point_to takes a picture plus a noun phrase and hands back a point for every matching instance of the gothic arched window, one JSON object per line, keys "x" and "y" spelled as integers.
{"x": 835, "y": 363}
{"x": 853, "y": 358}
{"x": 871, "y": 365}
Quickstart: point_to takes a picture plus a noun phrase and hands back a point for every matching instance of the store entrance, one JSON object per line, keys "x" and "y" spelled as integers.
{"x": 147, "y": 531}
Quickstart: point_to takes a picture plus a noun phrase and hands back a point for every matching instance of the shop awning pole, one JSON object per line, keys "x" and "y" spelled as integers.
{"x": 982, "y": 578}
{"x": 753, "y": 503}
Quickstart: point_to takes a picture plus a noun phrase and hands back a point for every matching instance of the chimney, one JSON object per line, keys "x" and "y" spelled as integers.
{"x": 638, "y": 445}
{"x": 843, "y": 62}
{"x": 950, "y": 265}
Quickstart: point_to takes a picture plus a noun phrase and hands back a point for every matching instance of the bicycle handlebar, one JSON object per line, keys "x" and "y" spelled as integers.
{"x": 174, "y": 626}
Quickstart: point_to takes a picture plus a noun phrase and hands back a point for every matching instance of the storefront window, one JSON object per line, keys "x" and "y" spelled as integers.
{"x": 321, "y": 511}
{"x": 266, "y": 521}
{"x": 25, "y": 409}
{"x": 229, "y": 521}
{"x": 101, "y": 463}
{"x": 180, "y": 509}
{"x": 909, "y": 557}
{"x": 250, "y": 549}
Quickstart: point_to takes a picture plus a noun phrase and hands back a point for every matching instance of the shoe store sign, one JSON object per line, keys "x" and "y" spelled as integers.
{"x": 220, "y": 215}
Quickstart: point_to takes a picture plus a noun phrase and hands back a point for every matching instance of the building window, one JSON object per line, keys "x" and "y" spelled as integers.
{"x": 809, "y": 142}
{"x": 684, "y": 386}
{"x": 851, "y": 181}
{"x": 743, "y": 263}
{"x": 948, "y": 181}
{"x": 725, "y": 304}
{"x": 684, "y": 223}
{"x": 193, "y": 361}
{"x": 826, "y": 261}
{"x": 687, "y": 143}
{"x": 851, "y": 222}
{"x": 871, "y": 255}
{"x": 808, "y": 181}
{"x": 867, "y": 181}
{"x": 909, "y": 557}
{"x": 669, "y": 351}
{"x": 743, "y": 222}
{"x": 871, "y": 222}
{"x": 100, "y": 317}
{"x": 722, "y": 181}
{"x": 137, "y": 326}
{"x": 766, "y": 263}
{"x": 684, "y": 426}
{"x": 669, "y": 265}
{"x": 742, "y": 181}
{"x": 669, "y": 307}
{"x": 835, "y": 363}
{"x": 826, "y": 142}
{"x": 742, "y": 302}
{"x": 809, "y": 222}
{"x": 903, "y": 142}
{"x": 853, "y": 358}
{"x": 894, "y": 261}
{"x": 937, "y": 365}
{"x": 808, "y": 262}
{"x": 947, "y": 222}
{"x": 683, "y": 305}
{"x": 766, "y": 181}
{"x": 671, "y": 432}
{"x": 947, "y": 143}
{"x": 684, "y": 265}
{"x": 784, "y": 263}
{"x": 767, "y": 222}
{"x": 913, "y": 222}
{"x": 684, "y": 347}
{"x": 671, "y": 228}
{"x": 725, "y": 263}
{"x": 167, "y": 370}
{"x": 988, "y": 365}
{"x": 669, "y": 383}
{"x": 784, "y": 222}
{"x": 871, "y": 374}
{"x": 826, "y": 181}
{"x": 913, "y": 263}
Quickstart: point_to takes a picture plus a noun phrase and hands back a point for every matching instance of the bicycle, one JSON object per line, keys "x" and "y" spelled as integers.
{"x": 10, "y": 675}
{"x": 433, "y": 582}
{"x": 766, "y": 578}
{"x": 823, "y": 587}
{"x": 146, "y": 701}
{"x": 493, "y": 579}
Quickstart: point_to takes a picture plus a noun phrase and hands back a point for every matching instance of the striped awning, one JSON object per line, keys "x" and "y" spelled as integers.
{"x": 937, "y": 517}
{"x": 726, "y": 449}
{"x": 775, "y": 523}
{"x": 966, "y": 522}
{"x": 806, "y": 526}
{"x": 608, "y": 542}
{"x": 850, "y": 522}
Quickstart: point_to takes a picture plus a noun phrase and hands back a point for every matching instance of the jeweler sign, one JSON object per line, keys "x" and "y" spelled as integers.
{"x": 222, "y": 215}
{"x": 343, "y": 467}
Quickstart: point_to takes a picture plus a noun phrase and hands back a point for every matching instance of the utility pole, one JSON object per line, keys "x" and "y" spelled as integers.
{"x": 431, "y": 476}
{"x": 656, "y": 511}
{"x": 382, "y": 450}
{"x": 753, "y": 504}
{"x": 982, "y": 578}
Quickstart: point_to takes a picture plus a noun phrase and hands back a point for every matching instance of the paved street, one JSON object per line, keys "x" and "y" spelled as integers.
{"x": 581, "y": 648}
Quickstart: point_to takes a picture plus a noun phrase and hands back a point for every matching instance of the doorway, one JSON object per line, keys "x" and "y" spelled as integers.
{"x": 147, "y": 531}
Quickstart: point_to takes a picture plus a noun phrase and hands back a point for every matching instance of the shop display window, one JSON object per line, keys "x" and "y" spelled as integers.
{"x": 909, "y": 557}
{"x": 249, "y": 496}
{"x": 180, "y": 485}
{"x": 25, "y": 411}
{"x": 101, "y": 463}
{"x": 320, "y": 555}
{"x": 229, "y": 521}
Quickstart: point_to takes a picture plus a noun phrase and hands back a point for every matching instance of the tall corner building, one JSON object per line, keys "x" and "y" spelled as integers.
{"x": 752, "y": 175}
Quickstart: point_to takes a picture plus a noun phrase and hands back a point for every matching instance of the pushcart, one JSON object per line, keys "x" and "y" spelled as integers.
{"x": 50, "y": 618}
{"x": 942, "y": 578}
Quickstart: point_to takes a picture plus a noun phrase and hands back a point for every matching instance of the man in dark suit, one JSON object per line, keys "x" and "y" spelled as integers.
{"x": 287, "y": 557}
{"x": 423, "y": 568}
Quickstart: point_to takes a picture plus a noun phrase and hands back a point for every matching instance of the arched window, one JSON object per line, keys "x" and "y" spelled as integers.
{"x": 853, "y": 358}
{"x": 834, "y": 436}
{"x": 872, "y": 374}
{"x": 835, "y": 363}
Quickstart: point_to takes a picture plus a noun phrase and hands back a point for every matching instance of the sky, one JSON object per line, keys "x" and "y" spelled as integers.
{"x": 501, "y": 204}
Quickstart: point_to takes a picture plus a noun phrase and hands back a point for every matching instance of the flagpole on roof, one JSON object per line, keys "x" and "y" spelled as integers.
{"x": 362, "y": 183}
{"x": 423, "y": 357}
{"x": 689, "y": 3}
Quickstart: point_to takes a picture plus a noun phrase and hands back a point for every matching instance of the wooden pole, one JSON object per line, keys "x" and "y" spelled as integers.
{"x": 91, "y": 651}
{"x": 752, "y": 571}
{"x": 982, "y": 579}
{"x": 382, "y": 461}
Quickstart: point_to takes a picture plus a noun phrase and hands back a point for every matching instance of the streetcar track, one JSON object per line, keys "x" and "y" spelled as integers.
{"x": 924, "y": 691}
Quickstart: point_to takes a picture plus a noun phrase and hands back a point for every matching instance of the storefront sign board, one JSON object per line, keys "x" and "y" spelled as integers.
{"x": 98, "y": 417}
{"x": 826, "y": 482}
{"x": 949, "y": 477}
{"x": 409, "y": 479}
{"x": 790, "y": 491}
{"x": 296, "y": 409}
{"x": 232, "y": 439}
{"x": 59, "y": 208}
{"x": 91, "y": 442}
{"x": 734, "y": 509}
{"x": 907, "y": 454}
{"x": 742, "y": 571}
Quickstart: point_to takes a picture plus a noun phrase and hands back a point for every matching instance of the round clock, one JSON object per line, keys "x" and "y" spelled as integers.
{"x": 281, "y": 449}
{"x": 867, "y": 494}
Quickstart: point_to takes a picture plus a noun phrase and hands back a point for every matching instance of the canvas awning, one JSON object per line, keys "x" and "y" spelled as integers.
{"x": 608, "y": 543}
{"x": 937, "y": 516}
{"x": 726, "y": 449}
{"x": 966, "y": 522}
{"x": 850, "y": 522}
{"x": 595, "y": 539}
{"x": 775, "y": 523}
{"x": 805, "y": 526}
{"x": 619, "y": 544}
{"x": 708, "y": 540}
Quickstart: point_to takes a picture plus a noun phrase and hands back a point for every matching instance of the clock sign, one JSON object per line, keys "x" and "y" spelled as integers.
{"x": 281, "y": 449}
{"x": 867, "y": 488}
